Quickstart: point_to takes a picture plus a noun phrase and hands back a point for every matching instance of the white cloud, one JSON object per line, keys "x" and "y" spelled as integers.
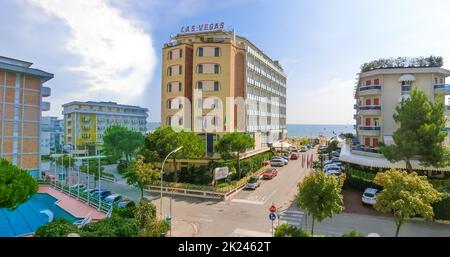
{"x": 116, "y": 57}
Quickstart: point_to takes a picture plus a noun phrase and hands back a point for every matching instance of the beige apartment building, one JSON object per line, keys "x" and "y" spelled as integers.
{"x": 86, "y": 122}
{"x": 216, "y": 82}
{"x": 21, "y": 104}
{"x": 378, "y": 93}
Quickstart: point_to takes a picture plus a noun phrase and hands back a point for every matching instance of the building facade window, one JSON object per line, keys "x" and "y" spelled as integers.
{"x": 216, "y": 68}
{"x": 376, "y": 101}
{"x": 175, "y": 70}
{"x": 175, "y": 54}
{"x": 217, "y": 52}
{"x": 368, "y": 82}
{"x": 180, "y": 121}
{"x": 169, "y": 104}
{"x": 208, "y": 85}
{"x": 208, "y": 68}
{"x": 169, "y": 87}
{"x": 376, "y": 82}
{"x": 200, "y": 51}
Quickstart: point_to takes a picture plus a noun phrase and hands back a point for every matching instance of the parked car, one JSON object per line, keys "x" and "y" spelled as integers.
{"x": 90, "y": 190}
{"x": 77, "y": 186}
{"x": 253, "y": 183}
{"x": 327, "y": 162}
{"x": 337, "y": 173}
{"x": 294, "y": 150}
{"x": 369, "y": 196}
{"x": 125, "y": 203}
{"x": 270, "y": 173}
{"x": 335, "y": 159}
{"x": 285, "y": 162}
{"x": 277, "y": 163}
{"x": 113, "y": 199}
{"x": 286, "y": 158}
{"x": 332, "y": 168}
{"x": 294, "y": 156}
{"x": 101, "y": 193}
{"x": 303, "y": 149}
{"x": 266, "y": 162}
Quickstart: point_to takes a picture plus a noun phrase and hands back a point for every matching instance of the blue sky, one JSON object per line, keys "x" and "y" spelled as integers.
{"x": 111, "y": 49}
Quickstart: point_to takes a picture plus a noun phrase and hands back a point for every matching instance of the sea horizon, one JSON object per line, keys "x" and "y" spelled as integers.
{"x": 300, "y": 130}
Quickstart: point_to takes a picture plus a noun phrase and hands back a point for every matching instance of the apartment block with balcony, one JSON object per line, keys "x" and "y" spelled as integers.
{"x": 86, "y": 122}
{"x": 21, "y": 105}
{"x": 217, "y": 82}
{"x": 379, "y": 91}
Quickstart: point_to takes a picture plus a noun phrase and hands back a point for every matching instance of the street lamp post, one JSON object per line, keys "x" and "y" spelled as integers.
{"x": 162, "y": 171}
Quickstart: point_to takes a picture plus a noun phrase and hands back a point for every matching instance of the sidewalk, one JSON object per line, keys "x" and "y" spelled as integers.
{"x": 181, "y": 228}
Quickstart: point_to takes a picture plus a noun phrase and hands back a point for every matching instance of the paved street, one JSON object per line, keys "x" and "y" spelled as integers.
{"x": 246, "y": 214}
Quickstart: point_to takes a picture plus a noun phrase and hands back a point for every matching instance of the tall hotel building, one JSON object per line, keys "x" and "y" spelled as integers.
{"x": 378, "y": 93}
{"x": 86, "y": 122}
{"x": 214, "y": 82}
{"x": 21, "y": 105}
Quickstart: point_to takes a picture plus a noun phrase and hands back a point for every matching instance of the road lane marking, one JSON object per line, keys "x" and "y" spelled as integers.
{"x": 249, "y": 233}
{"x": 247, "y": 201}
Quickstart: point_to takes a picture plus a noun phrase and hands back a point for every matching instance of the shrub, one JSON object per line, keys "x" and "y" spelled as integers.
{"x": 286, "y": 230}
{"x": 114, "y": 226}
{"x": 359, "y": 184}
{"x": 57, "y": 228}
{"x": 122, "y": 166}
{"x": 127, "y": 212}
{"x": 352, "y": 234}
{"x": 441, "y": 209}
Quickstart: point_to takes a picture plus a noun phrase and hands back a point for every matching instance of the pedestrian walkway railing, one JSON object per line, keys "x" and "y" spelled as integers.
{"x": 81, "y": 196}
{"x": 201, "y": 191}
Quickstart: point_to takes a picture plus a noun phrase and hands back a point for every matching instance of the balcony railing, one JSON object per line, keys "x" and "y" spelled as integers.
{"x": 45, "y": 106}
{"x": 366, "y": 90}
{"x": 369, "y": 128}
{"x": 442, "y": 86}
{"x": 442, "y": 89}
{"x": 370, "y": 107}
{"x": 406, "y": 88}
{"x": 367, "y": 149}
{"x": 46, "y": 91}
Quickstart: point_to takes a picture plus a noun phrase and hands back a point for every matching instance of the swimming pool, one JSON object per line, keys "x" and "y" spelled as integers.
{"x": 32, "y": 214}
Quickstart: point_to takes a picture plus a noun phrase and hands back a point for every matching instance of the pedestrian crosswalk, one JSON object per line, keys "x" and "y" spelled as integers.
{"x": 293, "y": 218}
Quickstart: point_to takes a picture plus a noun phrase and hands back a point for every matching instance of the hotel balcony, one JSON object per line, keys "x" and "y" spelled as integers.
{"x": 45, "y": 106}
{"x": 355, "y": 116}
{"x": 442, "y": 89}
{"x": 370, "y": 110}
{"x": 370, "y": 90}
{"x": 46, "y": 91}
{"x": 369, "y": 131}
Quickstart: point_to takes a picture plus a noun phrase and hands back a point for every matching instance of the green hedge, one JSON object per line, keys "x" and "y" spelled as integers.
{"x": 358, "y": 183}
{"x": 442, "y": 209}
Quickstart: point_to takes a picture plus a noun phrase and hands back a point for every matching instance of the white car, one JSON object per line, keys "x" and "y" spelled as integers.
{"x": 111, "y": 199}
{"x": 335, "y": 172}
{"x": 369, "y": 196}
{"x": 332, "y": 166}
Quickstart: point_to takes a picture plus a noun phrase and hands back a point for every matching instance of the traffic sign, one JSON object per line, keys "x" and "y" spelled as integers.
{"x": 273, "y": 208}
{"x": 169, "y": 219}
{"x": 272, "y": 216}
